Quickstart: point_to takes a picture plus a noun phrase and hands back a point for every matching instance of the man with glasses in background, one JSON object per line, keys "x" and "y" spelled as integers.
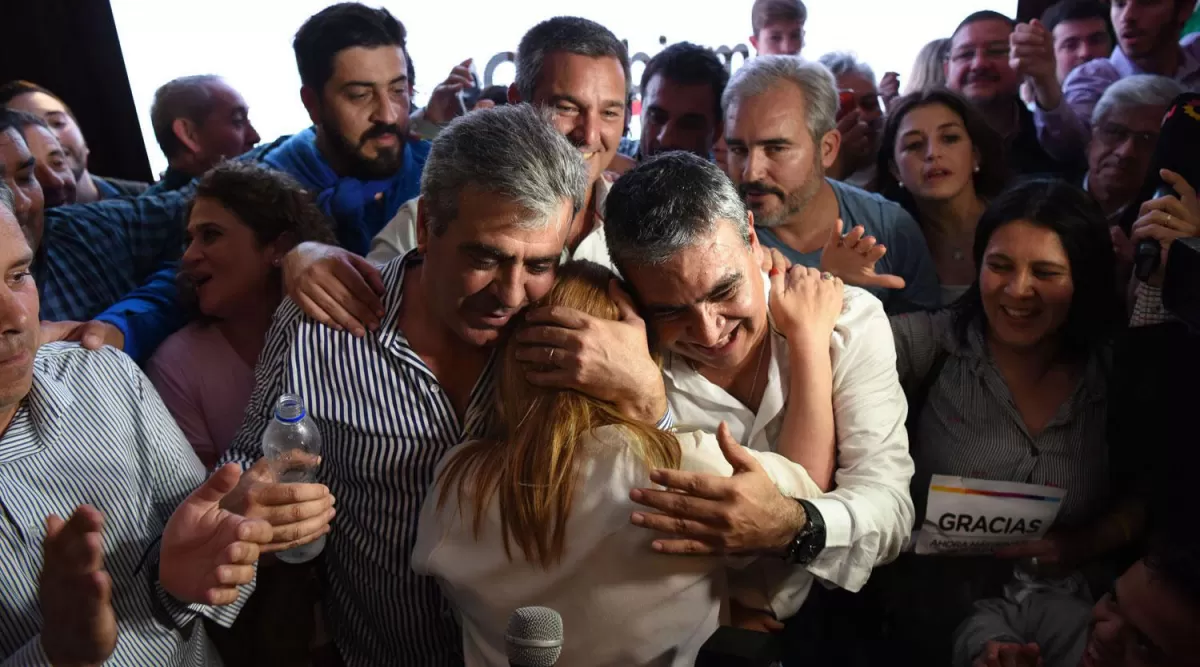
{"x": 980, "y": 70}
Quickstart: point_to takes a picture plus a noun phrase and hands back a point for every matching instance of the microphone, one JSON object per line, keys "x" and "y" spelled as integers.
{"x": 1175, "y": 151}
{"x": 534, "y": 637}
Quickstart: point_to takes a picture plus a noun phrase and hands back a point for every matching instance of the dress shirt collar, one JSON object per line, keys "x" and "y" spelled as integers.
{"x": 38, "y": 421}
{"x": 1189, "y": 61}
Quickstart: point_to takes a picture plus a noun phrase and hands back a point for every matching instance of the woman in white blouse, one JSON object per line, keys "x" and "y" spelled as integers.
{"x": 538, "y": 514}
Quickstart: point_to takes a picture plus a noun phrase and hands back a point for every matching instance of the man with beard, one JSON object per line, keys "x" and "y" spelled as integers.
{"x": 979, "y": 67}
{"x": 500, "y": 193}
{"x": 779, "y": 124}
{"x": 1149, "y": 618}
{"x": 575, "y": 69}
{"x": 1148, "y": 42}
{"x": 860, "y": 122}
{"x": 34, "y": 99}
{"x": 357, "y": 158}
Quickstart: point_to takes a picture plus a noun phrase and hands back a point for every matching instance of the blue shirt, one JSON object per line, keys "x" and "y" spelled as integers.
{"x": 907, "y": 254}
{"x": 92, "y": 255}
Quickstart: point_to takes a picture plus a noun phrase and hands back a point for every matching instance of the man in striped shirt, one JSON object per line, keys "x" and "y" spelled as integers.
{"x": 84, "y": 436}
{"x": 499, "y": 191}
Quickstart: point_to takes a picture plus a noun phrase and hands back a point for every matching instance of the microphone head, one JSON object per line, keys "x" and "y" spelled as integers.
{"x": 534, "y": 637}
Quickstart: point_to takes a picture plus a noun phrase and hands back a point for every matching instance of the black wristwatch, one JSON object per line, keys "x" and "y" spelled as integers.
{"x": 810, "y": 541}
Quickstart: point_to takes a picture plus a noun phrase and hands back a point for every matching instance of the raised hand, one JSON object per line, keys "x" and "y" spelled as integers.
{"x": 607, "y": 359}
{"x": 853, "y": 257}
{"x": 334, "y": 287}
{"x": 709, "y": 514}
{"x": 805, "y": 305}
{"x": 79, "y": 627}
{"x": 443, "y": 104}
{"x": 298, "y": 513}
{"x": 207, "y": 551}
{"x": 889, "y": 89}
{"x": 1031, "y": 56}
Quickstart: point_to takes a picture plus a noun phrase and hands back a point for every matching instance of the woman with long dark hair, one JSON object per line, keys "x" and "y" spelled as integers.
{"x": 941, "y": 161}
{"x": 241, "y": 222}
{"x": 1010, "y": 384}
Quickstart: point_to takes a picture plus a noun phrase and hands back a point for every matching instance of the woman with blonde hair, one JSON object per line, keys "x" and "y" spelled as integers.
{"x": 538, "y": 514}
{"x": 929, "y": 69}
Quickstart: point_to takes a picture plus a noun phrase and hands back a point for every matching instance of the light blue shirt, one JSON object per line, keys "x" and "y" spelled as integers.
{"x": 907, "y": 254}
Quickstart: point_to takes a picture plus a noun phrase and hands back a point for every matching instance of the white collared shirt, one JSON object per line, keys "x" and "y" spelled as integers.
{"x": 869, "y": 515}
{"x": 400, "y": 234}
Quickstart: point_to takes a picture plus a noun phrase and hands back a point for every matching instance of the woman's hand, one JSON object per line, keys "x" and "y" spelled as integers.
{"x": 1055, "y": 554}
{"x": 853, "y": 257}
{"x": 757, "y": 620}
{"x": 1168, "y": 218}
{"x": 805, "y": 304}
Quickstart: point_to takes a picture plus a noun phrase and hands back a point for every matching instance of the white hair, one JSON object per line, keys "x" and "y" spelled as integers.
{"x": 845, "y": 62}
{"x": 1139, "y": 90}
{"x": 815, "y": 81}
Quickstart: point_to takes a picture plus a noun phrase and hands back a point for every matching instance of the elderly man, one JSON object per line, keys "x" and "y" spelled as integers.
{"x": 500, "y": 191}
{"x": 83, "y": 435}
{"x": 687, "y": 246}
{"x": 860, "y": 119}
{"x": 574, "y": 67}
{"x": 198, "y": 121}
{"x": 779, "y": 124}
{"x": 1148, "y": 33}
{"x": 1125, "y": 124}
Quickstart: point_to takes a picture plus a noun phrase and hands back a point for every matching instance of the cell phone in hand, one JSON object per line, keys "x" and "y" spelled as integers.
{"x": 847, "y": 102}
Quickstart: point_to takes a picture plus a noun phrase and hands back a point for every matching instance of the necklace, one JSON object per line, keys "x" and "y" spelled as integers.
{"x": 758, "y": 365}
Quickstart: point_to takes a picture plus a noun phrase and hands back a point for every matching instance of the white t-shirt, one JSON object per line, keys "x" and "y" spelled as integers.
{"x": 621, "y": 602}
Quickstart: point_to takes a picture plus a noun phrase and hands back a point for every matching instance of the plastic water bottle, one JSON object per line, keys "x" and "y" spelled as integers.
{"x": 292, "y": 444}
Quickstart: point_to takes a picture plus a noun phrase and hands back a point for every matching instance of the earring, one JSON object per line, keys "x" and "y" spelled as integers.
{"x": 976, "y": 169}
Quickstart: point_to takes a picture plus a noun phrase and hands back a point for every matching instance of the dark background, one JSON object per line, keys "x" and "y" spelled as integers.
{"x": 71, "y": 47}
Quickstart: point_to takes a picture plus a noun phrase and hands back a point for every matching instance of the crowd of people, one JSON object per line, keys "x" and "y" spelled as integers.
{"x": 713, "y": 375}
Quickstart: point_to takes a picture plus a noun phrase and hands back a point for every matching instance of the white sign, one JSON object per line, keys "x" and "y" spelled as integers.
{"x": 975, "y": 516}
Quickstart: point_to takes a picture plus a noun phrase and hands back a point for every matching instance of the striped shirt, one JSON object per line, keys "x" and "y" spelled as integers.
{"x": 385, "y": 422}
{"x": 93, "y": 431}
{"x": 969, "y": 425}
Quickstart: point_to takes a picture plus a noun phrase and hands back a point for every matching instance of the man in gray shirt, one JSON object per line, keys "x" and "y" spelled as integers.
{"x": 779, "y": 125}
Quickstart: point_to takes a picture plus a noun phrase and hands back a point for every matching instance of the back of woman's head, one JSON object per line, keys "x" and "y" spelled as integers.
{"x": 269, "y": 202}
{"x": 993, "y": 174}
{"x": 528, "y": 460}
{"x": 1075, "y": 218}
{"x": 929, "y": 69}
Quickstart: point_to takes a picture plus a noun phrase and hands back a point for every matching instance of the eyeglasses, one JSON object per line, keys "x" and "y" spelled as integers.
{"x": 1115, "y": 134}
{"x": 990, "y": 51}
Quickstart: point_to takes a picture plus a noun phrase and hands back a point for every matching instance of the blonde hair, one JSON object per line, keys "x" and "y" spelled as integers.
{"x": 529, "y": 460}
{"x": 929, "y": 68}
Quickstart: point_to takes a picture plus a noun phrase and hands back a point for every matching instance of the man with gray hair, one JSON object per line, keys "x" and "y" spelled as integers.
{"x": 680, "y": 234}
{"x": 860, "y": 119}
{"x": 498, "y": 194}
{"x": 1125, "y": 125}
{"x": 780, "y": 126}
{"x": 198, "y": 121}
